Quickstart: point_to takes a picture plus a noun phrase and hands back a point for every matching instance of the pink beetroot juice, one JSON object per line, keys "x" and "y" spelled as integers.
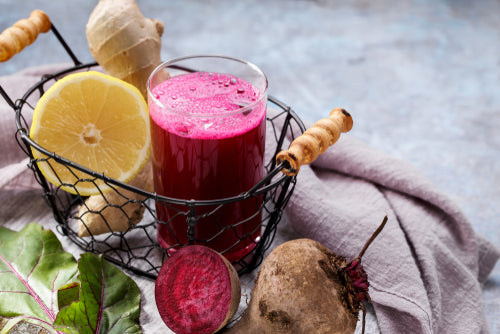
{"x": 208, "y": 146}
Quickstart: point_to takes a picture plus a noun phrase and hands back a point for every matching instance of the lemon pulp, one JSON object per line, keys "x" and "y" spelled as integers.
{"x": 96, "y": 121}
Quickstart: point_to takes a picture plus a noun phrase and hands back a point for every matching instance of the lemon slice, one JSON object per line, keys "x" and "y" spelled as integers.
{"x": 96, "y": 121}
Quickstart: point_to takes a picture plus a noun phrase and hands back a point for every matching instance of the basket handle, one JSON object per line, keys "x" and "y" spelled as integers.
{"x": 24, "y": 32}
{"x": 314, "y": 141}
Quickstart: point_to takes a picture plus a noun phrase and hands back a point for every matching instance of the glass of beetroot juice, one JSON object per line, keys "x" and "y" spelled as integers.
{"x": 208, "y": 119}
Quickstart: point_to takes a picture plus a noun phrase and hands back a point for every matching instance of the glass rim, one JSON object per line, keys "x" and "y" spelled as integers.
{"x": 167, "y": 63}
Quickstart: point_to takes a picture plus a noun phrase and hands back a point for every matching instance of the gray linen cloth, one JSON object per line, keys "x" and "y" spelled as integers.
{"x": 426, "y": 268}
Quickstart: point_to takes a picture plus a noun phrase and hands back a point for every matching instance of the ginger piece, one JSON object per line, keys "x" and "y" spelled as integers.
{"x": 116, "y": 210}
{"x": 315, "y": 140}
{"x": 125, "y": 43}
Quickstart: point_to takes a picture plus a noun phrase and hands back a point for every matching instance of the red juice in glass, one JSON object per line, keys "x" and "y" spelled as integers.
{"x": 208, "y": 135}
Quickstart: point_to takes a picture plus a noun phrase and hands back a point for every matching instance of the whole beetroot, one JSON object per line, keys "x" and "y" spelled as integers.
{"x": 302, "y": 287}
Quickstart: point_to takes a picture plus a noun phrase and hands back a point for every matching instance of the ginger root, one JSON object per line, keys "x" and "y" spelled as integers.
{"x": 125, "y": 43}
{"x": 116, "y": 210}
{"x": 127, "y": 46}
{"x": 315, "y": 140}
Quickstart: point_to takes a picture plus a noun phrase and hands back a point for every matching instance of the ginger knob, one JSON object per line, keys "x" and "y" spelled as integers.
{"x": 125, "y": 43}
{"x": 115, "y": 211}
{"x": 314, "y": 141}
{"x": 24, "y": 32}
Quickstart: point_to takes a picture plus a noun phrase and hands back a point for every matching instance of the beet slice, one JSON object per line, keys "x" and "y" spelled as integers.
{"x": 197, "y": 290}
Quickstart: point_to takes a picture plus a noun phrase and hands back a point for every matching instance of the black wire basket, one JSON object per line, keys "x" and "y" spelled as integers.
{"x": 136, "y": 247}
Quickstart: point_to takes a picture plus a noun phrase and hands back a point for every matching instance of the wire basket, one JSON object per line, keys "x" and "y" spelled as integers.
{"x": 136, "y": 248}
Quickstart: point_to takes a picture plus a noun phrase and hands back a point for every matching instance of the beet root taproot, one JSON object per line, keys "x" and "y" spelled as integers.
{"x": 197, "y": 291}
{"x": 302, "y": 287}
{"x": 296, "y": 291}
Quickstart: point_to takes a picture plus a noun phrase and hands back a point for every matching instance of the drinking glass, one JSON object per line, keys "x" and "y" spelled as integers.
{"x": 208, "y": 119}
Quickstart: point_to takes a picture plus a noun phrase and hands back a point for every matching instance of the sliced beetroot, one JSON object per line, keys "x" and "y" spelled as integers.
{"x": 197, "y": 291}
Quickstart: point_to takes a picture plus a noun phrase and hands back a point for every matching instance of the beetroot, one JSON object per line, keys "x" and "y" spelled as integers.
{"x": 302, "y": 287}
{"x": 197, "y": 291}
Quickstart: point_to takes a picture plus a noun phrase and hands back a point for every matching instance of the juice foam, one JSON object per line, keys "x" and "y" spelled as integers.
{"x": 207, "y": 105}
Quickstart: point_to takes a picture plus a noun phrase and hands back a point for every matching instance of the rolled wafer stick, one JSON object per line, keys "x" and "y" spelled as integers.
{"x": 314, "y": 141}
{"x": 23, "y": 33}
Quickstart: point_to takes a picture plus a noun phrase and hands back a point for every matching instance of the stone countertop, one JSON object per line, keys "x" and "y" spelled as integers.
{"x": 421, "y": 78}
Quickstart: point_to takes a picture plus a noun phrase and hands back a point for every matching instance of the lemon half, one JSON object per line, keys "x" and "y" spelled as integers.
{"x": 96, "y": 121}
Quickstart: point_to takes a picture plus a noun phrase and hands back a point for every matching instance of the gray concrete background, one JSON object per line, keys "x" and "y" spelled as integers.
{"x": 421, "y": 77}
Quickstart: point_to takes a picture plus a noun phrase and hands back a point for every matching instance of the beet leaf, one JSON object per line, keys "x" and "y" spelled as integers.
{"x": 33, "y": 266}
{"x": 109, "y": 301}
{"x": 68, "y": 294}
{"x": 43, "y": 285}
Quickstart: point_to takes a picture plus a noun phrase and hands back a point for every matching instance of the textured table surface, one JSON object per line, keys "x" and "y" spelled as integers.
{"x": 421, "y": 78}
